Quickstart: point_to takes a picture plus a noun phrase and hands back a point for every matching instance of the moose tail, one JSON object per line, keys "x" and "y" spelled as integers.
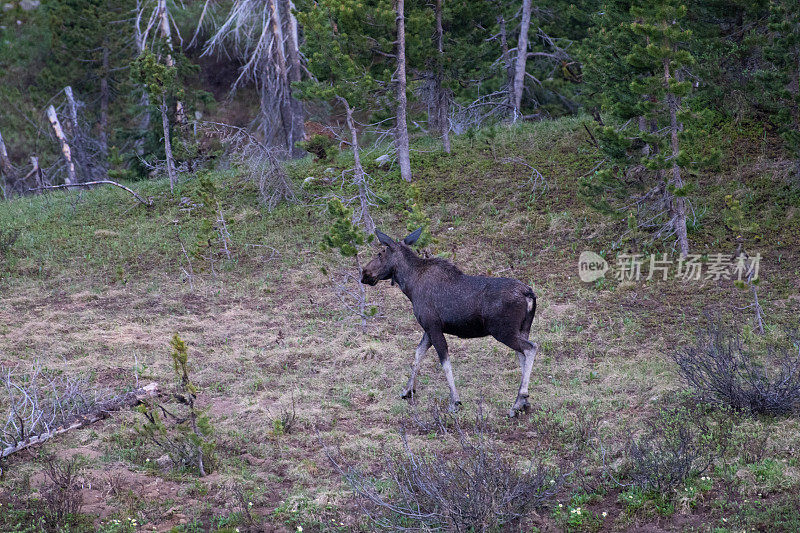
{"x": 530, "y": 300}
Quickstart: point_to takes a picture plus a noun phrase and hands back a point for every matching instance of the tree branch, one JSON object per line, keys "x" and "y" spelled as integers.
{"x": 147, "y": 203}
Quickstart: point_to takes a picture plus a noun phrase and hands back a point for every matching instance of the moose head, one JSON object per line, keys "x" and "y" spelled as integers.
{"x": 384, "y": 265}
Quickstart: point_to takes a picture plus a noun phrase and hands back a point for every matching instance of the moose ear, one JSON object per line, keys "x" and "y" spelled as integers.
{"x": 384, "y": 239}
{"x": 412, "y": 238}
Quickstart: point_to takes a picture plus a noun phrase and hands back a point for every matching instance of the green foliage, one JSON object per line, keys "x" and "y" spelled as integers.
{"x": 777, "y": 81}
{"x": 118, "y": 169}
{"x": 187, "y": 438}
{"x": 416, "y": 217}
{"x": 207, "y": 210}
{"x": 640, "y": 52}
{"x": 323, "y": 147}
{"x": 158, "y": 79}
{"x": 343, "y": 235}
{"x": 575, "y": 516}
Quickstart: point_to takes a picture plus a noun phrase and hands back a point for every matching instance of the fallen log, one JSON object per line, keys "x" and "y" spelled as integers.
{"x": 98, "y": 412}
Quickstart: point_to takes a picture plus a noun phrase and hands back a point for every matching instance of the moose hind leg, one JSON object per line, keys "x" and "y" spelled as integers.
{"x": 422, "y": 349}
{"x": 527, "y": 358}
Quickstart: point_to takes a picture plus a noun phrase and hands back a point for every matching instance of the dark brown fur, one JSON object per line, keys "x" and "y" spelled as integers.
{"x": 447, "y": 301}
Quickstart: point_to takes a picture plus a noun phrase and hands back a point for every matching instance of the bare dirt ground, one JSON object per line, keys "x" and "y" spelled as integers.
{"x": 254, "y": 355}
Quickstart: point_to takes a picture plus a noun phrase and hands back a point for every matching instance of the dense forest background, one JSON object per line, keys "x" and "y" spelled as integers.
{"x": 142, "y": 73}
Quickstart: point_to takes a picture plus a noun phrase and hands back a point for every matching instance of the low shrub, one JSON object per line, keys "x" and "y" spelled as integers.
{"x": 61, "y": 492}
{"x": 321, "y": 146}
{"x": 678, "y": 444}
{"x": 472, "y": 489}
{"x": 723, "y": 369}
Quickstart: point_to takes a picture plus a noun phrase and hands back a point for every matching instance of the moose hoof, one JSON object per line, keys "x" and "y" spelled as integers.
{"x": 454, "y": 406}
{"x": 520, "y": 405}
{"x": 407, "y": 394}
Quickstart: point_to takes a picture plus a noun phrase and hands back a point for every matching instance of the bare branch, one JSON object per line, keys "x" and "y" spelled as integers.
{"x": 148, "y": 202}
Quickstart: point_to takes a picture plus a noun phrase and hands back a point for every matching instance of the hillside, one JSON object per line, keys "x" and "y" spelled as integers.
{"x": 96, "y": 285}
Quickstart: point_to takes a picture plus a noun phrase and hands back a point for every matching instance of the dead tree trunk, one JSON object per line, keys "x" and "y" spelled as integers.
{"x": 295, "y": 71}
{"x": 167, "y": 144}
{"x": 166, "y": 33}
{"x": 290, "y": 112}
{"x": 72, "y": 177}
{"x": 522, "y": 56}
{"x": 401, "y": 127}
{"x": 36, "y": 172}
{"x": 292, "y": 41}
{"x": 140, "y": 38}
{"x": 6, "y": 168}
{"x": 442, "y": 100}
{"x": 678, "y": 200}
{"x": 73, "y": 110}
{"x": 507, "y": 63}
{"x": 104, "y": 99}
{"x": 99, "y": 412}
{"x": 359, "y": 176}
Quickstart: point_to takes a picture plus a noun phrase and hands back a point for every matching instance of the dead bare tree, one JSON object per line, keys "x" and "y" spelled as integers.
{"x": 259, "y": 160}
{"x": 401, "y": 124}
{"x": 360, "y": 177}
{"x": 521, "y": 59}
{"x": 254, "y": 31}
{"x": 140, "y": 37}
{"x": 66, "y": 152}
{"x": 88, "y": 152}
{"x": 146, "y": 203}
{"x": 487, "y": 108}
{"x": 102, "y": 126}
{"x": 7, "y": 169}
{"x": 170, "y": 161}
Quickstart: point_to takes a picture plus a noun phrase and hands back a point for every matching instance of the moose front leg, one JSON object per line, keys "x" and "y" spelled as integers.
{"x": 422, "y": 349}
{"x": 440, "y": 344}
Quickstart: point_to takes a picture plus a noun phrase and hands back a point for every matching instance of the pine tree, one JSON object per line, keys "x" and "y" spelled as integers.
{"x": 86, "y": 55}
{"x": 780, "y": 80}
{"x": 645, "y": 88}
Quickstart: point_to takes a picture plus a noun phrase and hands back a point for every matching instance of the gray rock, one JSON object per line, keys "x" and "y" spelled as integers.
{"x": 29, "y": 5}
{"x": 383, "y": 161}
{"x": 330, "y": 170}
{"x": 164, "y": 462}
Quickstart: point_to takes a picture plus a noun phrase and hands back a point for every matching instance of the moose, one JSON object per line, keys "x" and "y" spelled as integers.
{"x": 445, "y": 300}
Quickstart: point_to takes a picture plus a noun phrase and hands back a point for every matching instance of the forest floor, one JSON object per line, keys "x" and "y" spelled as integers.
{"x": 96, "y": 286}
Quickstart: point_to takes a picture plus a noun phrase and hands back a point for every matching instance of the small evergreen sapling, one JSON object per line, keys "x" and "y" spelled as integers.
{"x": 186, "y": 437}
{"x": 416, "y": 217}
{"x": 346, "y": 237}
{"x": 213, "y": 237}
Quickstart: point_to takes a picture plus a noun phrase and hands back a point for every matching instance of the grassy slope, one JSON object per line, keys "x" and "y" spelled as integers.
{"x": 96, "y": 283}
